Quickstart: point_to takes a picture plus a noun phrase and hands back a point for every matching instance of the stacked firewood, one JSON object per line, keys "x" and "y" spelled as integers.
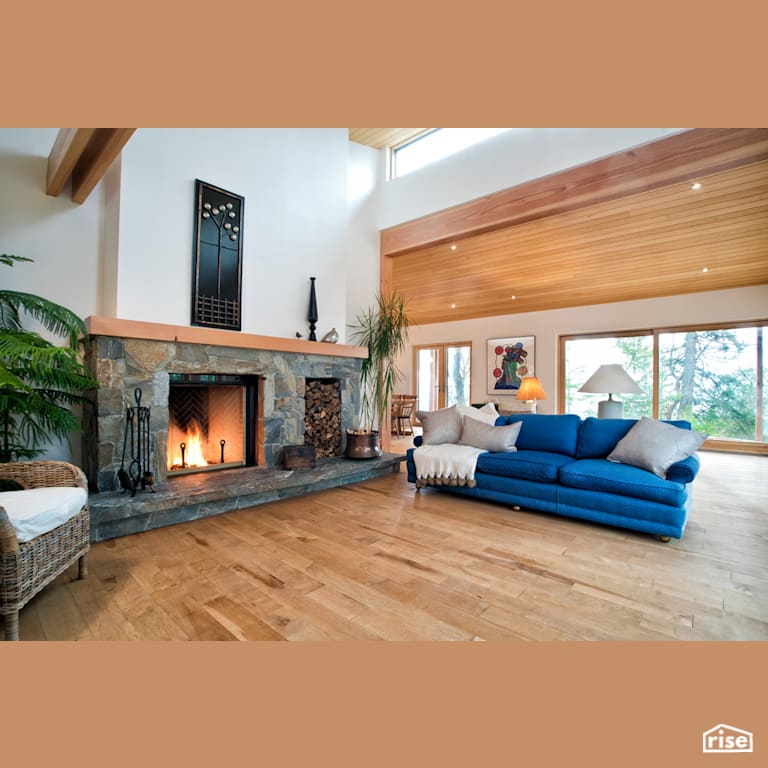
{"x": 322, "y": 421}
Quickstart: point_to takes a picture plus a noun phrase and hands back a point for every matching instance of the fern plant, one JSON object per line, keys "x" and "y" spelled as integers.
{"x": 383, "y": 329}
{"x": 39, "y": 382}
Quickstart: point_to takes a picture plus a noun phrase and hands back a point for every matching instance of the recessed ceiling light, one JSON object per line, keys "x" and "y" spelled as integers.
{"x": 453, "y": 306}
{"x": 513, "y": 298}
{"x": 696, "y": 185}
{"x": 453, "y": 247}
{"x": 706, "y": 269}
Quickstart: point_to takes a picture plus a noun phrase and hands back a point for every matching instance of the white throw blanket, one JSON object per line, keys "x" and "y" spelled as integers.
{"x": 446, "y": 464}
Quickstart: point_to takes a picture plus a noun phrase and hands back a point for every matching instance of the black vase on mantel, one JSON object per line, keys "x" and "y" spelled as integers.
{"x": 312, "y": 312}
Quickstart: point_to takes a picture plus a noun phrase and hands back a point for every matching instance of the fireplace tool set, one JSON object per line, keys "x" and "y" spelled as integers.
{"x": 138, "y": 472}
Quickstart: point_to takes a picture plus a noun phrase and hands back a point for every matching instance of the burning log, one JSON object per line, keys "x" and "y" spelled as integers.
{"x": 190, "y": 450}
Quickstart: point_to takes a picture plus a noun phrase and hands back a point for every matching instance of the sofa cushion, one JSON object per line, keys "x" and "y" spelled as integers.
{"x": 442, "y": 426}
{"x": 489, "y": 438}
{"x": 36, "y": 511}
{"x": 654, "y": 446}
{"x": 598, "y": 437}
{"x": 609, "y": 477}
{"x": 527, "y": 465}
{"x": 540, "y": 432}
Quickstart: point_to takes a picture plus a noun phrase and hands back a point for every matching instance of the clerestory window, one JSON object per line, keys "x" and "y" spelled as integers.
{"x": 434, "y": 145}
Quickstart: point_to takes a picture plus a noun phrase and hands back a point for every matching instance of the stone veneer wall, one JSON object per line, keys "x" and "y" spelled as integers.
{"x": 123, "y": 364}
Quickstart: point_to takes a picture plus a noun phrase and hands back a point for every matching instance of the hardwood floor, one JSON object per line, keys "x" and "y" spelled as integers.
{"x": 376, "y": 561}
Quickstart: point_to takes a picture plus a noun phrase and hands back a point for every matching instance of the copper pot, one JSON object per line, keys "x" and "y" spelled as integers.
{"x": 362, "y": 445}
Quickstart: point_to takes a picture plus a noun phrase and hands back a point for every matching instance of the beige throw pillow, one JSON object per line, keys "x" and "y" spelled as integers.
{"x": 489, "y": 438}
{"x": 443, "y": 426}
{"x": 655, "y": 446}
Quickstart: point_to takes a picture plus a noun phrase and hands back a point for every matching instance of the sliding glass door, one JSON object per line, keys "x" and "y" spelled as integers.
{"x": 443, "y": 375}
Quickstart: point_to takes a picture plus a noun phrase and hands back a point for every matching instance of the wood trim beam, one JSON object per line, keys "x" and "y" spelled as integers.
{"x": 67, "y": 149}
{"x": 681, "y": 157}
{"x": 104, "y": 147}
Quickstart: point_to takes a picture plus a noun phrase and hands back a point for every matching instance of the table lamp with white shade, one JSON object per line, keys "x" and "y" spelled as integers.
{"x": 611, "y": 379}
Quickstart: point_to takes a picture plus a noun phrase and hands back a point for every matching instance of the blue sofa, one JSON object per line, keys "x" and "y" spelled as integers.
{"x": 560, "y": 467}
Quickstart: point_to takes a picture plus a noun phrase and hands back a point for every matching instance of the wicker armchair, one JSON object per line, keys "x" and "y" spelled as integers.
{"x": 25, "y": 568}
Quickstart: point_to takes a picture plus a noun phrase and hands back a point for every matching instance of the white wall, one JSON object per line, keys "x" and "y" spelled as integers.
{"x": 294, "y": 181}
{"x": 506, "y": 160}
{"x": 364, "y": 184}
{"x": 708, "y": 307}
{"x": 63, "y": 238}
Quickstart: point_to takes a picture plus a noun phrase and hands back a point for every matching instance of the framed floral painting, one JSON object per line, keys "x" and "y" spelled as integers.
{"x": 508, "y": 361}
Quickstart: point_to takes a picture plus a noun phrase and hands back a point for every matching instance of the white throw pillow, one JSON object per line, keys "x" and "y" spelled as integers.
{"x": 656, "y": 446}
{"x": 489, "y": 438}
{"x": 487, "y": 414}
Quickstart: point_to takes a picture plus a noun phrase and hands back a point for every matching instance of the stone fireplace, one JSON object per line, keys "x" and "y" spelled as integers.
{"x": 245, "y": 390}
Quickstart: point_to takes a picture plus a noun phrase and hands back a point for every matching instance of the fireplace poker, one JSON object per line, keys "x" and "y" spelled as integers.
{"x": 147, "y": 477}
{"x": 122, "y": 475}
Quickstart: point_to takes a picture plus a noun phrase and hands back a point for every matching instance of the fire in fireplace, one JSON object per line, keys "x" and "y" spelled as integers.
{"x": 212, "y": 422}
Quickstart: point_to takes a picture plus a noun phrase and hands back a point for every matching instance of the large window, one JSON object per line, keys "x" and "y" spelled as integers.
{"x": 583, "y": 356}
{"x": 711, "y": 376}
{"x": 435, "y": 145}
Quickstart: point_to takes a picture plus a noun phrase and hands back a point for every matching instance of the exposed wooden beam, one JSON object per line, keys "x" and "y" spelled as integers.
{"x": 680, "y": 157}
{"x": 67, "y": 150}
{"x": 104, "y": 147}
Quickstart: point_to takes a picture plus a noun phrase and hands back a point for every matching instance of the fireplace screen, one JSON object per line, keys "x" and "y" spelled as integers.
{"x": 208, "y": 425}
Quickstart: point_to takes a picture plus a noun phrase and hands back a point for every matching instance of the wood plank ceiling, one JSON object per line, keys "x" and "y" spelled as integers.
{"x": 663, "y": 241}
{"x": 381, "y": 138}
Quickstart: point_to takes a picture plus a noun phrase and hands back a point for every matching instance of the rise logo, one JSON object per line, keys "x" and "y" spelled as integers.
{"x": 726, "y": 738}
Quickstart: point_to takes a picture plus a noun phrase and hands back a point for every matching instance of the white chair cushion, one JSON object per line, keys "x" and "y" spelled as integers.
{"x": 39, "y": 510}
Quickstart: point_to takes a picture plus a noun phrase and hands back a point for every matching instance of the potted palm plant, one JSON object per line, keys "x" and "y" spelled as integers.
{"x": 39, "y": 382}
{"x": 383, "y": 330}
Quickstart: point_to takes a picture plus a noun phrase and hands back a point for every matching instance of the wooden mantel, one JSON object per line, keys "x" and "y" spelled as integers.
{"x": 136, "y": 329}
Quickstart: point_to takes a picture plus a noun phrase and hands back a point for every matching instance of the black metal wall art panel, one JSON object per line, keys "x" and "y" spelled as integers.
{"x": 218, "y": 251}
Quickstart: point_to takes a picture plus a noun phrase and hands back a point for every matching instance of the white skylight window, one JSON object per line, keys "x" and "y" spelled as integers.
{"x": 436, "y": 145}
